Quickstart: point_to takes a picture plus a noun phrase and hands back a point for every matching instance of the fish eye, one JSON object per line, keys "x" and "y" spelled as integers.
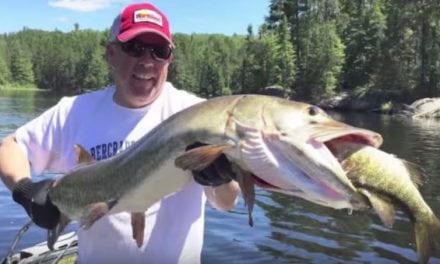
{"x": 313, "y": 110}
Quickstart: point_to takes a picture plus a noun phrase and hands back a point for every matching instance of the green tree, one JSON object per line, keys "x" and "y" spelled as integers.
{"x": 320, "y": 53}
{"x": 363, "y": 38}
{"x": 428, "y": 17}
{"x": 250, "y": 70}
{"x": 325, "y": 57}
{"x": 5, "y": 75}
{"x": 399, "y": 64}
{"x": 268, "y": 57}
{"x": 312, "y": 48}
{"x": 97, "y": 74}
{"x": 287, "y": 58}
{"x": 21, "y": 64}
{"x": 182, "y": 71}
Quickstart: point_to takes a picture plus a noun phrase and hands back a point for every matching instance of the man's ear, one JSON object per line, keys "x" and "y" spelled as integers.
{"x": 109, "y": 54}
{"x": 109, "y": 50}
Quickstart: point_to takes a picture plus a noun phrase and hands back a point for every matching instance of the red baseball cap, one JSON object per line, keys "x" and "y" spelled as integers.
{"x": 136, "y": 19}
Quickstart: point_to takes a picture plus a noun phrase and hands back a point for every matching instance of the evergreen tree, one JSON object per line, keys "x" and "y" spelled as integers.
{"x": 5, "y": 75}
{"x": 428, "y": 17}
{"x": 182, "y": 71}
{"x": 363, "y": 38}
{"x": 399, "y": 64}
{"x": 268, "y": 57}
{"x": 287, "y": 59}
{"x": 320, "y": 55}
{"x": 21, "y": 64}
{"x": 312, "y": 48}
{"x": 97, "y": 74}
{"x": 4, "y": 71}
{"x": 250, "y": 68}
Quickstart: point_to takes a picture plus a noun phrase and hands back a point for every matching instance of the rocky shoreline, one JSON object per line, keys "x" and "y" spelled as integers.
{"x": 421, "y": 108}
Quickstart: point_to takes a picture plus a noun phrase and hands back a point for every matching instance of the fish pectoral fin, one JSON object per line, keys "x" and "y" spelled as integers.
{"x": 200, "y": 157}
{"x": 382, "y": 206}
{"x": 247, "y": 186}
{"x": 53, "y": 234}
{"x": 95, "y": 212}
{"x": 138, "y": 227}
{"x": 82, "y": 156}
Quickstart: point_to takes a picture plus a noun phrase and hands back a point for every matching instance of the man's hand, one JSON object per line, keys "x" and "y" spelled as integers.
{"x": 218, "y": 173}
{"x": 33, "y": 197}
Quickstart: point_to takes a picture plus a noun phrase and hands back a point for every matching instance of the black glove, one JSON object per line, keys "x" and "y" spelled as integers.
{"x": 218, "y": 173}
{"x": 33, "y": 197}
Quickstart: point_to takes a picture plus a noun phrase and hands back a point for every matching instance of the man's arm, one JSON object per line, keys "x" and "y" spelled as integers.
{"x": 16, "y": 175}
{"x": 14, "y": 165}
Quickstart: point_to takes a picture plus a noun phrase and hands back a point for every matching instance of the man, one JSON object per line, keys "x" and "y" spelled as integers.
{"x": 105, "y": 122}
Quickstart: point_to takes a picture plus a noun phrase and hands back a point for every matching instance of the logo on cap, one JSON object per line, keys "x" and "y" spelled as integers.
{"x": 146, "y": 15}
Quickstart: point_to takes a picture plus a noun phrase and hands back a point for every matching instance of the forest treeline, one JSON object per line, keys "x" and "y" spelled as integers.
{"x": 310, "y": 49}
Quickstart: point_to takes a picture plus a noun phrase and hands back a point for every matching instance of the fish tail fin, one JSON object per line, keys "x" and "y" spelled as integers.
{"x": 53, "y": 234}
{"x": 427, "y": 238}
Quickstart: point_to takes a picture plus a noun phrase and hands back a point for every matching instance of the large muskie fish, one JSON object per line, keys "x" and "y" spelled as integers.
{"x": 275, "y": 143}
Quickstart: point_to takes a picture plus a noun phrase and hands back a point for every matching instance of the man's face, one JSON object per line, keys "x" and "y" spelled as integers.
{"x": 140, "y": 69}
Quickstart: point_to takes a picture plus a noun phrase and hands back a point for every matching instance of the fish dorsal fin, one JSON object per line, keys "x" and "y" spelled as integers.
{"x": 416, "y": 172}
{"x": 82, "y": 156}
{"x": 200, "y": 157}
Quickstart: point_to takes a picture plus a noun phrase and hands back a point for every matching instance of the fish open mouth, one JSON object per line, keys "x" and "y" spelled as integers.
{"x": 347, "y": 133}
{"x": 364, "y": 137}
{"x": 328, "y": 137}
{"x": 348, "y": 138}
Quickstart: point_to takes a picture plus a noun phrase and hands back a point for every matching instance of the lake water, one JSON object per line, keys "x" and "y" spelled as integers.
{"x": 286, "y": 229}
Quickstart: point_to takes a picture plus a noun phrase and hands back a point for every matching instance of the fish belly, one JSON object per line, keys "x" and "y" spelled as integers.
{"x": 164, "y": 181}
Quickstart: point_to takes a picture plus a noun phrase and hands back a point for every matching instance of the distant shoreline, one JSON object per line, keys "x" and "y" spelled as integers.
{"x": 11, "y": 87}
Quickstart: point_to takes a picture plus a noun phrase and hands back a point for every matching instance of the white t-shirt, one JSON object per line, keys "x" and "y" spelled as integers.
{"x": 174, "y": 226}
